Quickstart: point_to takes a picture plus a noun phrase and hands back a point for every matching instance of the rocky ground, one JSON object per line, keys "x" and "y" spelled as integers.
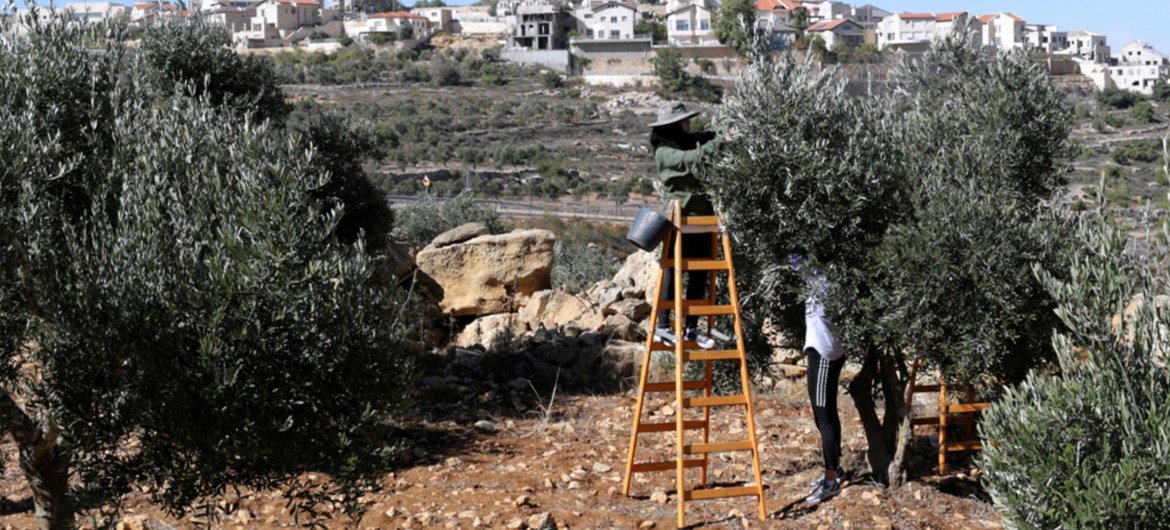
{"x": 489, "y": 456}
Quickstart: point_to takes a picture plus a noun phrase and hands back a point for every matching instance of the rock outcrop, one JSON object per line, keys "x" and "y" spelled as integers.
{"x": 638, "y": 274}
{"x": 488, "y": 274}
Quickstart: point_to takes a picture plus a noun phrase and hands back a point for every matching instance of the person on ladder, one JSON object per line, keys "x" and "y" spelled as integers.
{"x": 826, "y": 358}
{"x": 678, "y": 157}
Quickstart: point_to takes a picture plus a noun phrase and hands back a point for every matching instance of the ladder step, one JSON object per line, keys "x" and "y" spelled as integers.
{"x": 933, "y": 420}
{"x": 722, "y": 493}
{"x": 665, "y": 305}
{"x": 967, "y": 408}
{"x": 723, "y": 447}
{"x": 712, "y": 355}
{"x": 700, "y": 264}
{"x": 700, "y": 220}
{"x": 670, "y": 426}
{"x": 964, "y": 446}
{"x": 710, "y": 310}
{"x": 669, "y": 386}
{"x": 926, "y": 388}
{"x": 663, "y": 466}
{"x": 662, "y": 346}
{"x": 715, "y": 401}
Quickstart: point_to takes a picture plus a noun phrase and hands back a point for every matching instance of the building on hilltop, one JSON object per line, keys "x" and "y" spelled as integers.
{"x": 1046, "y": 38}
{"x": 539, "y": 26}
{"x": 1003, "y": 31}
{"x": 87, "y": 12}
{"x": 868, "y": 16}
{"x": 840, "y": 32}
{"x": 690, "y": 23}
{"x": 398, "y": 24}
{"x": 776, "y": 18}
{"x": 607, "y": 20}
{"x": 439, "y": 18}
{"x": 1088, "y": 45}
{"x": 1138, "y": 67}
{"x": 906, "y": 31}
{"x": 819, "y": 10}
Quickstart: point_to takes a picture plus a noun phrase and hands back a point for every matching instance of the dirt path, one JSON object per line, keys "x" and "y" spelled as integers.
{"x": 569, "y": 464}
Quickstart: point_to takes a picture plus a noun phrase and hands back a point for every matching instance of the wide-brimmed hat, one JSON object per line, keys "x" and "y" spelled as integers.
{"x": 673, "y": 113}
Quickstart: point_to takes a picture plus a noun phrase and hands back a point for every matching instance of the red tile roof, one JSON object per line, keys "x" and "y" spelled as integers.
{"x": 949, "y": 17}
{"x": 397, "y": 14}
{"x": 988, "y": 18}
{"x": 778, "y": 5}
{"x": 829, "y": 25}
{"x": 301, "y": 2}
{"x": 916, "y": 16}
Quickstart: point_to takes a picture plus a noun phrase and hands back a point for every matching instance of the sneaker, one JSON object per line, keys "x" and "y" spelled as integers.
{"x": 705, "y": 342}
{"x": 841, "y": 477}
{"x": 826, "y": 490}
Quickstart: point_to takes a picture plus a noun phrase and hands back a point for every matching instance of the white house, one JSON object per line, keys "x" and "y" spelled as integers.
{"x": 690, "y": 24}
{"x": 842, "y": 32}
{"x": 1003, "y": 31}
{"x": 274, "y": 21}
{"x": 775, "y": 17}
{"x": 827, "y": 9}
{"x": 948, "y": 23}
{"x": 237, "y": 20}
{"x": 1088, "y": 45}
{"x": 607, "y": 19}
{"x": 96, "y": 11}
{"x": 440, "y": 18}
{"x": 1046, "y": 38}
{"x": 1139, "y": 67}
{"x": 869, "y": 16}
{"x": 144, "y": 13}
{"x": 402, "y": 24}
{"x": 906, "y": 29}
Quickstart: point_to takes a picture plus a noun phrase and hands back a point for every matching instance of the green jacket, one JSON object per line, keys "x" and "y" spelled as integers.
{"x": 678, "y": 170}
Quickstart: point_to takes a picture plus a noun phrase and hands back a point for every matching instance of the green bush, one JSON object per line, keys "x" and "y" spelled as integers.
{"x": 1143, "y": 112}
{"x": 578, "y": 267}
{"x": 345, "y": 40}
{"x": 420, "y": 222}
{"x": 1118, "y": 99}
{"x": 445, "y": 73}
{"x": 1090, "y": 447}
{"x": 1116, "y": 121}
{"x": 1162, "y": 91}
{"x": 1144, "y": 151}
{"x": 551, "y": 79}
{"x": 197, "y": 324}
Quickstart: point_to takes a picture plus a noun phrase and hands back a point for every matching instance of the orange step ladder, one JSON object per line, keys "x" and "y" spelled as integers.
{"x": 963, "y": 412}
{"x": 689, "y": 351}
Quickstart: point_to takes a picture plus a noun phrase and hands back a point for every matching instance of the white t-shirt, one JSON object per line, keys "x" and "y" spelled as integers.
{"x": 820, "y": 333}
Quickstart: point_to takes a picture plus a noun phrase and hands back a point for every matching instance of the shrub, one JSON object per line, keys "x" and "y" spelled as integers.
{"x": 1099, "y": 432}
{"x": 445, "y": 73}
{"x": 420, "y": 222}
{"x": 1118, "y": 99}
{"x": 183, "y": 288}
{"x": 489, "y": 74}
{"x": 1162, "y": 91}
{"x": 735, "y": 24}
{"x": 1137, "y": 151}
{"x": 1143, "y": 112}
{"x": 345, "y": 40}
{"x": 578, "y": 267}
{"x": 379, "y": 39}
{"x": 1116, "y": 121}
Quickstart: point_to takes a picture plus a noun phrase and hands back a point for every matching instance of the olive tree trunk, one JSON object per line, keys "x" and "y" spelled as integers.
{"x": 44, "y": 462}
{"x": 887, "y": 432}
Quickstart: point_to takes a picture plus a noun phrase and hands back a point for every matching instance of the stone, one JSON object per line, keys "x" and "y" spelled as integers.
{"x": 132, "y": 522}
{"x": 459, "y": 234}
{"x": 485, "y": 426}
{"x": 633, "y": 309}
{"x": 515, "y": 524}
{"x": 646, "y": 524}
{"x": 599, "y": 468}
{"x": 633, "y": 292}
{"x": 640, "y": 272}
{"x": 659, "y": 496}
{"x": 542, "y": 521}
{"x": 532, "y": 311}
{"x": 622, "y": 328}
{"x": 565, "y": 310}
{"x": 624, "y": 357}
{"x": 487, "y": 274}
{"x": 493, "y": 332}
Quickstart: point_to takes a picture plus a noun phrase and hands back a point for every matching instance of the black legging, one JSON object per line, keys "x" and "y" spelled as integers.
{"x": 694, "y": 246}
{"x": 823, "y": 378}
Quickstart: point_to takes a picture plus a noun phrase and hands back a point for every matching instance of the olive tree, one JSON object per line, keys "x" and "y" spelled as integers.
{"x": 178, "y": 308}
{"x": 924, "y": 208}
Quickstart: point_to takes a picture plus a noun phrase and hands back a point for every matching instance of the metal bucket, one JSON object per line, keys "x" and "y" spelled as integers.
{"x": 648, "y": 229}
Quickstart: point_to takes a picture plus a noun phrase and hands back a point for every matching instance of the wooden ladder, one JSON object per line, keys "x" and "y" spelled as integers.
{"x": 963, "y": 412}
{"x": 689, "y": 351}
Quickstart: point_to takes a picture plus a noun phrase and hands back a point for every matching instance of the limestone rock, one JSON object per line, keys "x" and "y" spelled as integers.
{"x": 620, "y": 327}
{"x": 542, "y": 521}
{"x": 639, "y": 272}
{"x": 492, "y": 332}
{"x": 393, "y": 265}
{"x": 635, "y": 309}
{"x": 566, "y": 309}
{"x": 459, "y": 234}
{"x": 533, "y": 310}
{"x": 485, "y": 275}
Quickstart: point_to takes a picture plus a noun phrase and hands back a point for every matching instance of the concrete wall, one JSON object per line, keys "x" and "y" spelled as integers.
{"x": 559, "y": 60}
{"x": 620, "y": 80}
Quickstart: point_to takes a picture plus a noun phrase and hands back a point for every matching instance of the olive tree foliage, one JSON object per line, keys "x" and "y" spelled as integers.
{"x": 925, "y": 209}
{"x": 178, "y": 308}
{"x": 1098, "y": 431}
{"x": 735, "y": 24}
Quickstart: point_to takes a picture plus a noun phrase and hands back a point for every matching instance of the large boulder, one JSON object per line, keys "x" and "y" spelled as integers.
{"x": 487, "y": 274}
{"x": 639, "y": 273}
{"x": 533, "y": 309}
{"x": 565, "y": 309}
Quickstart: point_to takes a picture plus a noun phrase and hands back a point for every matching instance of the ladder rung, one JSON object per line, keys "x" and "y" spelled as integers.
{"x": 671, "y": 426}
{"x": 964, "y": 446}
{"x": 722, "y": 493}
{"x": 715, "y": 401}
{"x": 662, "y": 346}
{"x": 700, "y": 229}
{"x": 932, "y": 420}
{"x": 663, "y": 466}
{"x": 700, "y": 264}
{"x": 710, "y": 310}
{"x": 967, "y": 408}
{"x": 669, "y": 304}
{"x": 926, "y": 388}
{"x": 700, "y": 220}
{"x": 712, "y": 355}
{"x": 722, "y": 447}
{"x": 669, "y": 386}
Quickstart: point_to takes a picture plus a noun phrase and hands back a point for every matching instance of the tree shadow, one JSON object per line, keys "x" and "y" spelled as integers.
{"x": 10, "y": 507}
